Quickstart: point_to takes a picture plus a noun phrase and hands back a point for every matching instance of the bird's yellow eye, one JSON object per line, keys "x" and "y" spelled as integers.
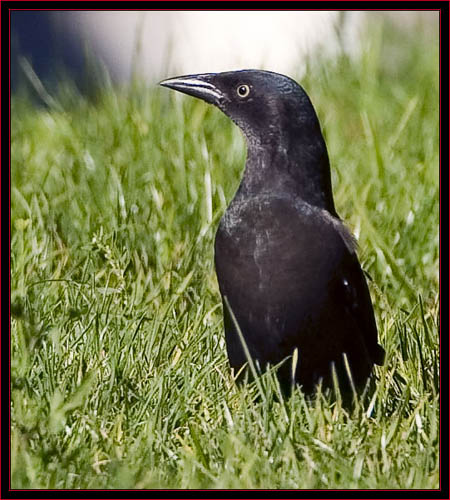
{"x": 243, "y": 90}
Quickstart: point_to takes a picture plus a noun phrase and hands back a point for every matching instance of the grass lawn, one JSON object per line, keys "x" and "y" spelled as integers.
{"x": 119, "y": 374}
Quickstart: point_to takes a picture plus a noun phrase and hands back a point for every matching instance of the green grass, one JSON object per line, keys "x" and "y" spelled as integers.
{"x": 119, "y": 375}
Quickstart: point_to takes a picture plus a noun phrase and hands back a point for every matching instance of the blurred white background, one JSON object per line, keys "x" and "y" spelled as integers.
{"x": 194, "y": 42}
{"x": 157, "y": 44}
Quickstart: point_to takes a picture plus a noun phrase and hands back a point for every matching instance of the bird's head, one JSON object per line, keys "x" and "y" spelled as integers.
{"x": 265, "y": 105}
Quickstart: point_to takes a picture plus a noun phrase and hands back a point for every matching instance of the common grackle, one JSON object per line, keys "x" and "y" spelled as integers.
{"x": 285, "y": 262}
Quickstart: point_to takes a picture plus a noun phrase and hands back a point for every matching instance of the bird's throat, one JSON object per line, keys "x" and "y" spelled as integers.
{"x": 275, "y": 170}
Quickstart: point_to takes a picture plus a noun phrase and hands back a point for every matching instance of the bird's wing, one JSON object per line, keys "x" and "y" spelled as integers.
{"x": 353, "y": 290}
{"x": 355, "y": 295}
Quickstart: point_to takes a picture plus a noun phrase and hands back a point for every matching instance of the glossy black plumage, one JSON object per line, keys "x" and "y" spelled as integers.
{"x": 284, "y": 260}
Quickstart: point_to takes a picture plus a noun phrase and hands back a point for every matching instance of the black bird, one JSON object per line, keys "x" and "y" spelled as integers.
{"x": 285, "y": 262}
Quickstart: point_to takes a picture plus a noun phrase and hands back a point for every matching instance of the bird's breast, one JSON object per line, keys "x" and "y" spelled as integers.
{"x": 275, "y": 244}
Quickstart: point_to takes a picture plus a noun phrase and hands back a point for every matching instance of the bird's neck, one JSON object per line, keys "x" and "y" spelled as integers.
{"x": 285, "y": 169}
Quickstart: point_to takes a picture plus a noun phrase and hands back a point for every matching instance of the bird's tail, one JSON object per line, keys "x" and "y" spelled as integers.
{"x": 379, "y": 355}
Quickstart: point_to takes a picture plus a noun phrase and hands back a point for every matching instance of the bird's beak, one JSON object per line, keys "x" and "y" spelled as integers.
{"x": 197, "y": 86}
